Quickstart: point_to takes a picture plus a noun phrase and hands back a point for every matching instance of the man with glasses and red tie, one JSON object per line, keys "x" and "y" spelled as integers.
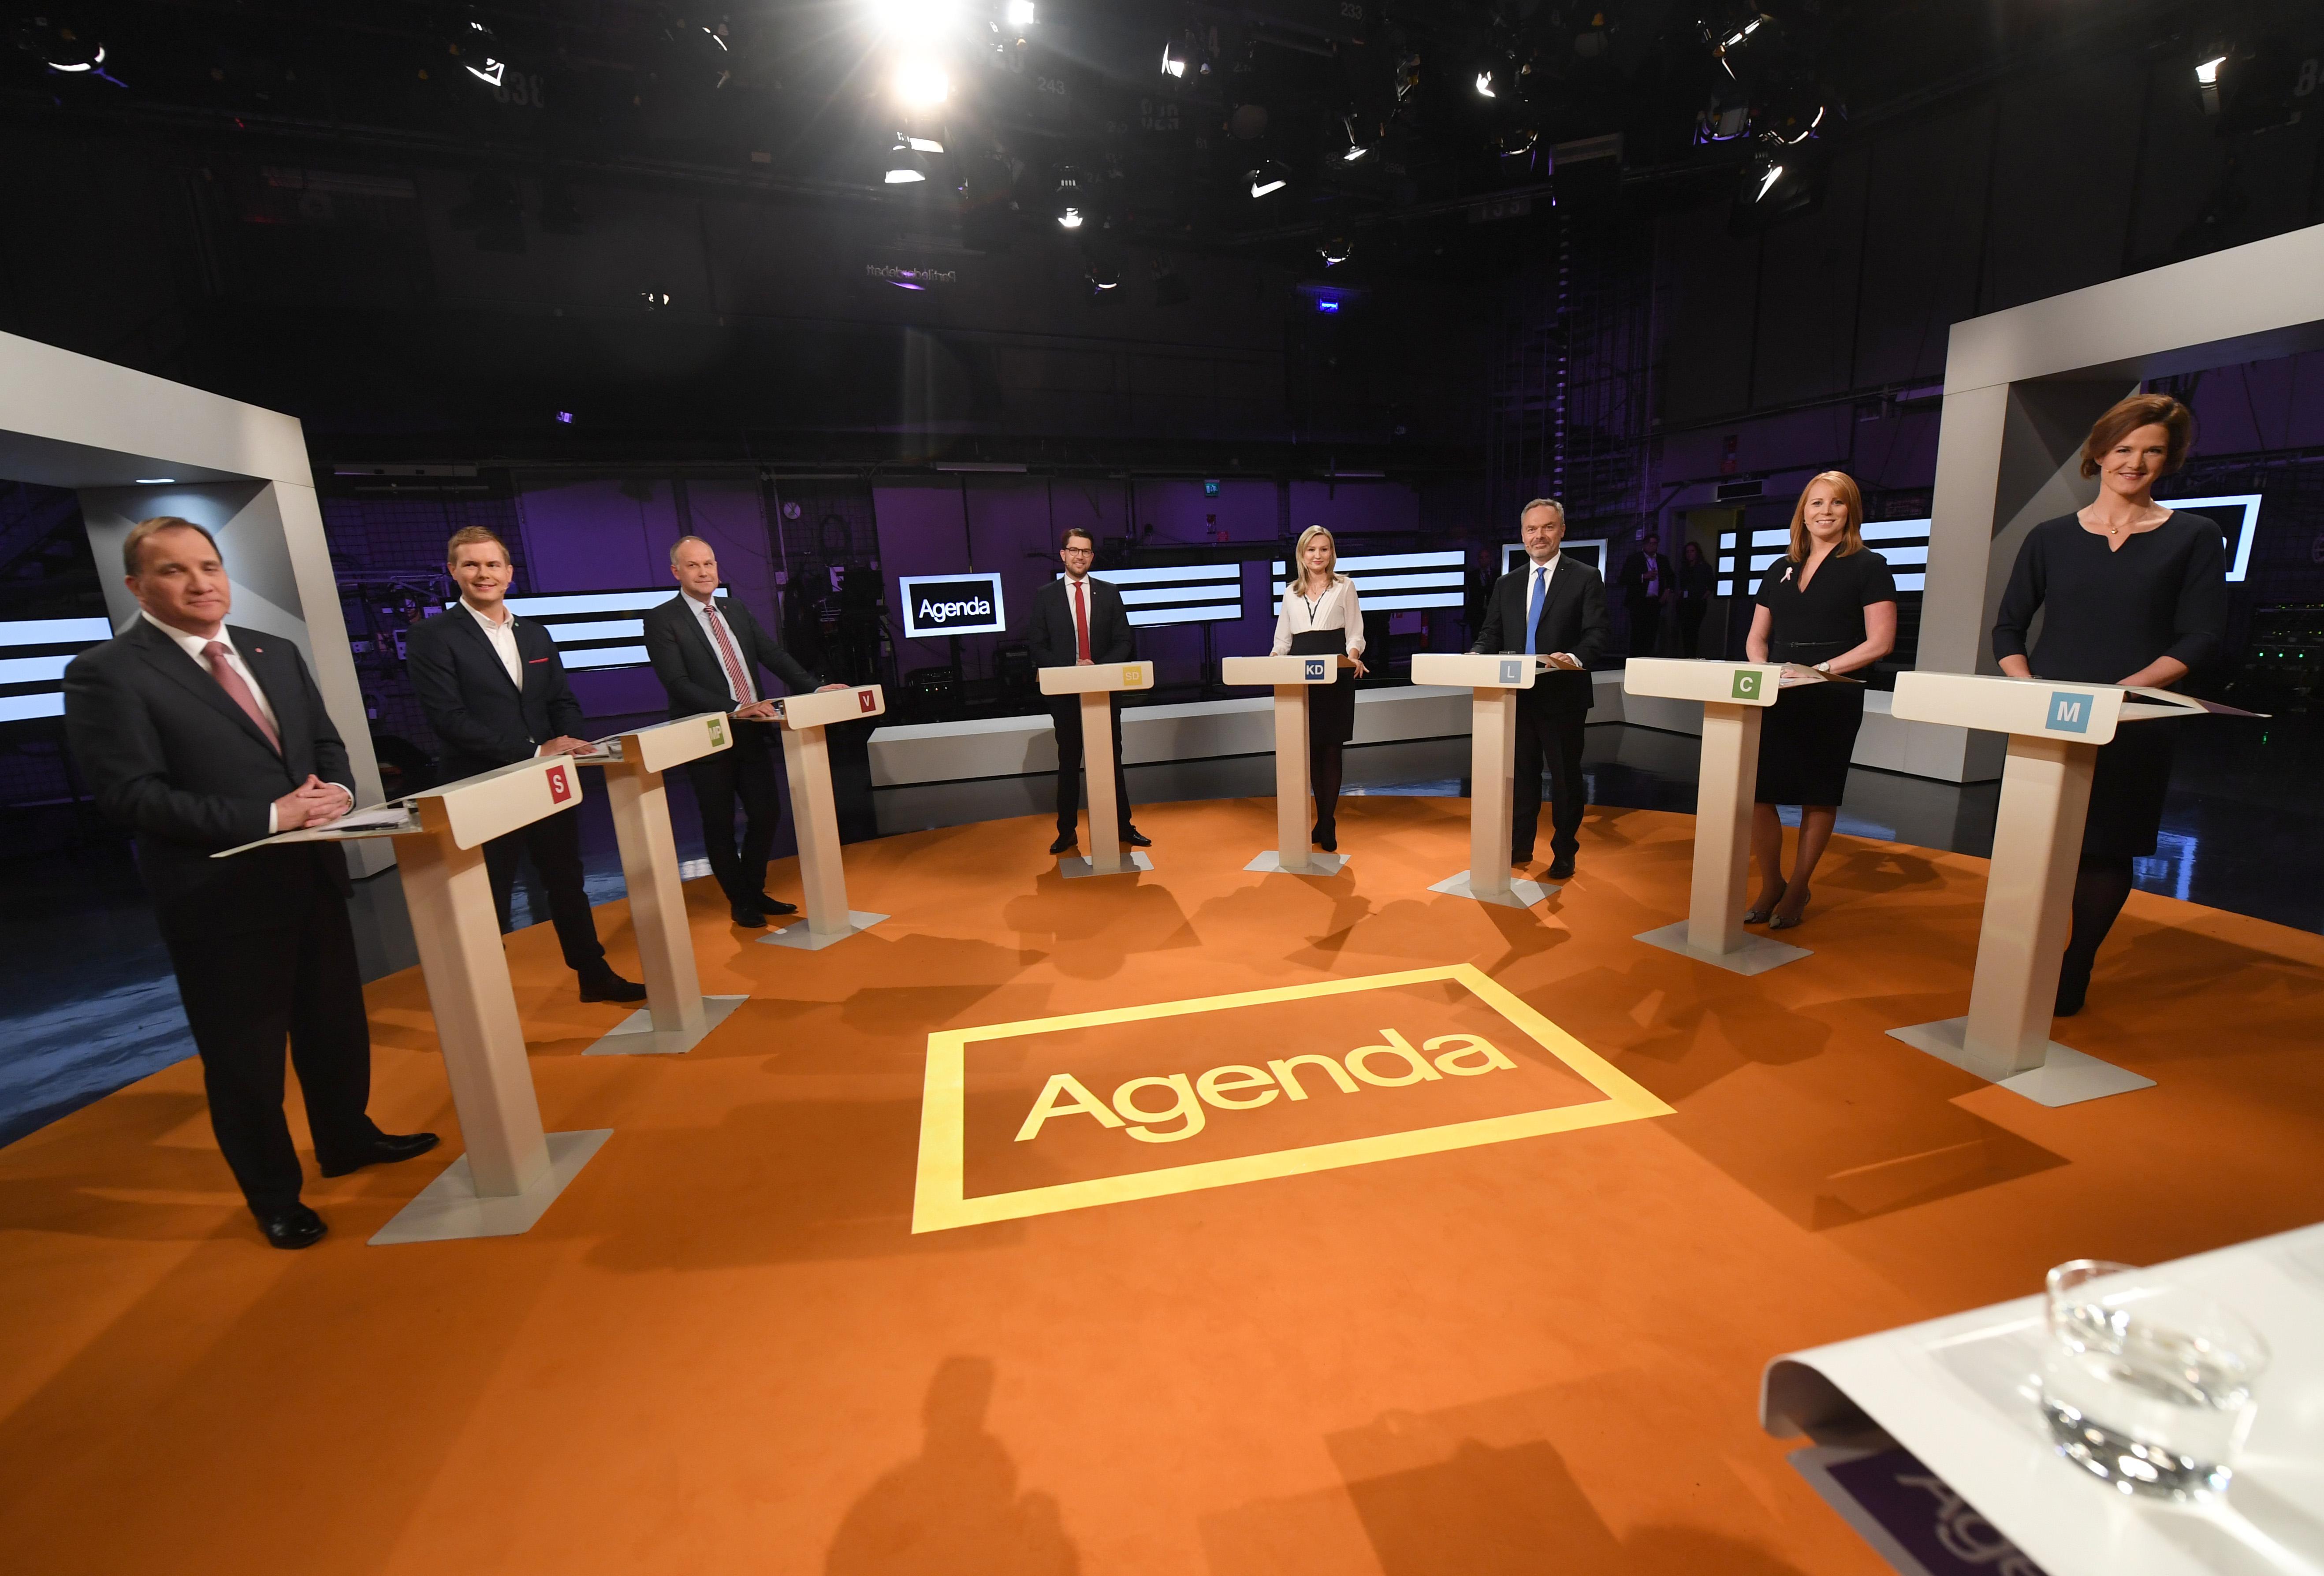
{"x": 201, "y": 737}
{"x": 708, "y": 650}
{"x": 1078, "y": 620}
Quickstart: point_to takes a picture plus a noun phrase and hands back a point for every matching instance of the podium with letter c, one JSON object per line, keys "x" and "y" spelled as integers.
{"x": 1492, "y": 767}
{"x": 815, "y": 813}
{"x": 1734, "y": 695}
{"x": 1096, "y": 683}
{"x": 1291, "y": 679}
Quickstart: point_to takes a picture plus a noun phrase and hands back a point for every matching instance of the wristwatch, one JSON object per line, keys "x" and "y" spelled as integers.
{"x": 1824, "y": 668}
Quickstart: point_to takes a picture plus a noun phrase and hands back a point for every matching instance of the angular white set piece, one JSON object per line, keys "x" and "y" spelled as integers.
{"x": 1734, "y": 695}
{"x": 1291, "y": 677}
{"x": 1492, "y": 767}
{"x": 815, "y": 813}
{"x": 1095, "y": 683}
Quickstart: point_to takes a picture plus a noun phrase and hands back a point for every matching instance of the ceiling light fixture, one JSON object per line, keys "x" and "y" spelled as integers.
{"x": 2207, "y": 75}
{"x": 922, "y": 84}
{"x": 1261, "y": 183}
{"x": 1485, "y": 85}
{"x": 1356, "y": 147}
{"x": 1335, "y": 251}
{"x": 1768, "y": 181}
{"x": 1071, "y": 219}
{"x": 155, "y": 481}
{"x": 1020, "y": 14}
{"x": 1174, "y": 60}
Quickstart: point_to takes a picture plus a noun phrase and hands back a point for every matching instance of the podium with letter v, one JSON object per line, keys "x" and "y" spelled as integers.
{"x": 1095, "y": 684}
{"x": 1291, "y": 677}
{"x": 1734, "y": 697}
{"x": 676, "y": 1015}
{"x": 1492, "y": 767}
{"x": 815, "y": 813}
{"x": 2054, "y": 731}
{"x": 512, "y": 1170}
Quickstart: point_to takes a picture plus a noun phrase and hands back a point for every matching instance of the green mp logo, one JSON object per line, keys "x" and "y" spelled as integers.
{"x": 1747, "y": 683}
{"x": 718, "y": 732}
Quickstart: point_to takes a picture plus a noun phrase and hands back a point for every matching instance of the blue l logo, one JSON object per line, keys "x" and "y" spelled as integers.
{"x": 1509, "y": 672}
{"x": 1316, "y": 668}
{"x": 2070, "y": 713}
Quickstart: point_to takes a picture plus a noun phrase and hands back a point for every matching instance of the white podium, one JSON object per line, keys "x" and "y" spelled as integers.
{"x": 1095, "y": 684}
{"x": 1733, "y": 695}
{"x": 815, "y": 816}
{"x": 1492, "y": 767}
{"x": 1291, "y": 679}
{"x": 676, "y": 1015}
{"x": 512, "y": 1171}
{"x": 2054, "y": 731}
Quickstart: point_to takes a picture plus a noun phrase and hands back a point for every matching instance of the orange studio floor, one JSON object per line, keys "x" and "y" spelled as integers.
{"x": 1203, "y": 1221}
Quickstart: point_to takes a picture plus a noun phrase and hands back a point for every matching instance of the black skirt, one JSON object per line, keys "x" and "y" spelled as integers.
{"x": 1331, "y": 707}
{"x": 2127, "y": 787}
{"x": 1804, "y": 743}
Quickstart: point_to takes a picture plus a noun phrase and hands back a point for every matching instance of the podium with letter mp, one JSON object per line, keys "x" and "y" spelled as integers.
{"x": 676, "y": 1015}
{"x": 1291, "y": 677}
{"x": 815, "y": 813}
{"x": 1095, "y": 684}
{"x": 1492, "y": 767}
{"x": 2054, "y": 732}
{"x": 1734, "y": 697}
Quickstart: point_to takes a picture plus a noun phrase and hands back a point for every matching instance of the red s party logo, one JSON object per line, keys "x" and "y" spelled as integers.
{"x": 560, "y": 788}
{"x": 865, "y": 701}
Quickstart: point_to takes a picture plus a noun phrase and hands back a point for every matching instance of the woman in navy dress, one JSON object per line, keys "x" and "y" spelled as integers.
{"x": 2131, "y": 592}
{"x": 1829, "y": 604}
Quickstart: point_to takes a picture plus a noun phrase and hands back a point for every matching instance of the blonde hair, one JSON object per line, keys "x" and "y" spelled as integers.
{"x": 469, "y": 536}
{"x": 1851, "y": 537}
{"x": 1332, "y": 576}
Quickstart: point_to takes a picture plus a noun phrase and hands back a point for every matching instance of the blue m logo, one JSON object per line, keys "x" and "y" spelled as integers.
{"x": 2068, "y": 713}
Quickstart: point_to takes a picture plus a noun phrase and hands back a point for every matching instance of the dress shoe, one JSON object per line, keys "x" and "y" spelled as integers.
{"x": 1066, "y": 843}
{"x": 385, "y": 1149}
{"x": 296, "y": 1227}
{"x": 1520, "y": 856}
{"x": 773, "y": 905}
{"x": 602, "y": 984}
{"x": 1135, "y": 838}
{"x": 1561, "y": 870}
{"x": 2073, "y": 987}
{"x": 747, "y": 913}
{"x": 1327, "y": 837}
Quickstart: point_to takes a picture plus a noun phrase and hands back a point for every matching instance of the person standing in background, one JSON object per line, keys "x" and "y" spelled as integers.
{"x": 1647, "y": 585}
{"x": 1320, "y": 618}
{"x": 1077, "y": 620}
{"x": 1696, "y": 583}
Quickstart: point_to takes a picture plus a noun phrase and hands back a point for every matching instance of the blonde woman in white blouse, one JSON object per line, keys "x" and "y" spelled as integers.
{"x": 1320, "y": 618}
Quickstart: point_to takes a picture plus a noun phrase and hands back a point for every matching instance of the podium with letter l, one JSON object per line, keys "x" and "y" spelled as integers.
{"x": 676, "y": 1015}
{"x": 2054, "y": 731}
{"x": 815, "y": 816}
{"x": 1095, "y": 684}
{"x": 1733, "y": 694}
{"x": 1291, "y": 677}
{"x": 1492, "y": 767}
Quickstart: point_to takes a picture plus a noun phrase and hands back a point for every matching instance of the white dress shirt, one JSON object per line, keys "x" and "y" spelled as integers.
{"x": 1336, "y": 609}
{"x": 503, "y": 635}
{"x": 706, "y": 614}
{"x": 191, "y": 645}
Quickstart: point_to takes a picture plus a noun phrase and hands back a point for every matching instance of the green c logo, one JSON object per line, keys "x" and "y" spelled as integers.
{"x": 1747, "y": 684}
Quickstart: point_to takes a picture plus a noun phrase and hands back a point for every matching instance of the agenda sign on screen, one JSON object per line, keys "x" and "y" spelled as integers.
{"x": 951, "y": 604}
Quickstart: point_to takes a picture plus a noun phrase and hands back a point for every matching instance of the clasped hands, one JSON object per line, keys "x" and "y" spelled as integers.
{"x": 313, "y": 802}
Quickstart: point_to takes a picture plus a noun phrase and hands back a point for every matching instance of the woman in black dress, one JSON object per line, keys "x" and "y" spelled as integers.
{"x": 1829, "y": 604}
{"x": 1695, "y": 584}
{"x": 1320, "y": 617}
{"x": 2132, "y": 593}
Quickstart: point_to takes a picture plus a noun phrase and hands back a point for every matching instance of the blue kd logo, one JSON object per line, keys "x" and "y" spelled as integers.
{"x": 1315, "y": 667}
{"x": 2070, "y": 713}
{"x": 1509, "y": 672}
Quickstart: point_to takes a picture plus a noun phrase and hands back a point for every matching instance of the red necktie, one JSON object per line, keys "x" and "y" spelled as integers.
{"x": 1081, "y": 625}
{"x": 736, "y": 678}
{"x": 231, "y": 682}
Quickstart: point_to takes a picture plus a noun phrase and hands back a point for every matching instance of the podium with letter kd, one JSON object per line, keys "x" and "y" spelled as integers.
{"x": 1291, "y": 677}
{"x": 1492, "y": 767}
{"x": 676, "y": 1015}
{"x": 1734, "y": 695}
{"x": 815, "y": 814}
{"x": 1095, "y": 683}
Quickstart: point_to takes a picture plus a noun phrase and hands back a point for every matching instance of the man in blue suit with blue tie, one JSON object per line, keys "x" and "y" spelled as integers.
{"x": 1553, "y": 606}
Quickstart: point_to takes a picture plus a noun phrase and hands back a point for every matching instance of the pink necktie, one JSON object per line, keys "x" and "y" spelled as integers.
{"x": 1081, "y": 625}
{"x": 735, "y": 678}
{"x": 231, "y": 682}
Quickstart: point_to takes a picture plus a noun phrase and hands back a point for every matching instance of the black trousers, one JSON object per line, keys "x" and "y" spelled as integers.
{"x": 1066, "y": 713}
{"x": 744, "y": 773}
{"x": 1646, "y": 626}
{"x": 244, "y": 993}
{"x": 1554, "y": 738}
{"x": 555, "y": 844}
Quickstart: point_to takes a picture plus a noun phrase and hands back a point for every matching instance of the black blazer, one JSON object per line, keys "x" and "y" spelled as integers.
{"x": 481, "y": 720}
{"x": 1572, "y": 620}
{"x": 170, "y": 755}
{"x": 690, "y": 671}
{"x": 1050, "y": 631}
{"x": 1633, "y": 577}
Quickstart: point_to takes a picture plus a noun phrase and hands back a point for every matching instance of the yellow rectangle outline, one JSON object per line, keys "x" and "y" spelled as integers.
{"x": 939, "y": 1203}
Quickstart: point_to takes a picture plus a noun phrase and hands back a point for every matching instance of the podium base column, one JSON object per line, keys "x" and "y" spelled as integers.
{"x": 1073, "y": 867}
{"x": 449, "y": 1208}
{"x": 1521, "y": 893}
{"x": 636, "y": 1036}
{"x": 803, "y": 935}
{"x": 1756, "y": 954}
{"x": 1319, "y": 863}
{"x": 2066, "y": 1076}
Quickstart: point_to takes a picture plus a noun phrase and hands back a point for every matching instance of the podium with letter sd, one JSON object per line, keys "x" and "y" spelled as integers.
{"x": 815, "y": 814}
{"x": 1492, "y": 767}
{"x": 1734, "y": 695}
{"x": 1291, "y": 679}
{"x": 1095, "y": 683}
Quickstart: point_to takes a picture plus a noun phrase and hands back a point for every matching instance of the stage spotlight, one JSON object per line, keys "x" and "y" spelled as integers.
{"x": 482, "y": 45}
{"x": 918, "y": 18}
{"x": 1071, "y": 219}
{"x": 1067, "y": 201}
{"x": 57, "y": 43}
{"x": 2207, "y": 75}
{"x": 655, "y": 299}
{"x": 1767, "y": 182}
{"x": 922, "y": 84}
{"x": 1263, "y": 181}
{"x": 1515, "y": 143}
{"x": 1175, "y": 56}
{"x": 908, "y": 162}
{"x": 1335, "y": 251}
{"x": 1779, "y": 181}
{"x": 1357, "y": 147}
{"x": 1020, "y": 14}
{"x": 1485, "y": 85}
{"x": 1103, "y": 276}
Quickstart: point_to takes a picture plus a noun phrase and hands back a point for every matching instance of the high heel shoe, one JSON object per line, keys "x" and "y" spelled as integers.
{"x": 2073, "y": 987}
{"x": 1761, "y": 916}
{"x": 1788, "y": 922}
{"x": 1325, "y": 836}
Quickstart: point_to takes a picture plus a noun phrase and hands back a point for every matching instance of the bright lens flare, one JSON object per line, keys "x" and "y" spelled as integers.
{"x": 919, "y": 18}
{"x": 922, "y": 84}
{"x": 1070, "y": 219}
{"x": 1772, "y": 177}
{"x": 1485, "y": 84}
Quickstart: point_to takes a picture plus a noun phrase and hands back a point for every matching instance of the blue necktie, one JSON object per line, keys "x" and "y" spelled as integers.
{"x": 1533, "y": 607}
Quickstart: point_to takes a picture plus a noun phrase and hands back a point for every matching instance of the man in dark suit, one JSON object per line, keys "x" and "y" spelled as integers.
{"x": 1556, "y": 607}
{"x": 1078, "y": 620}
{"x": 202, "y": 736}
{"x": 494, "y": 688}
{"x": 1647, "y": 585}
{"x": 707, "y": 651}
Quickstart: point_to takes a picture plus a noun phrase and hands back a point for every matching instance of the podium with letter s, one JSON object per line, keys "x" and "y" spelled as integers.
{"x": 815, "y": 813}
{"x": 1095, "y": 684}
{"x": 1492, "y": 767}
{"x": 1291, "y": 677}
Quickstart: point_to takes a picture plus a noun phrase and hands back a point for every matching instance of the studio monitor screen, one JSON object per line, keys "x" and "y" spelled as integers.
{"x": 935, "y": 605}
